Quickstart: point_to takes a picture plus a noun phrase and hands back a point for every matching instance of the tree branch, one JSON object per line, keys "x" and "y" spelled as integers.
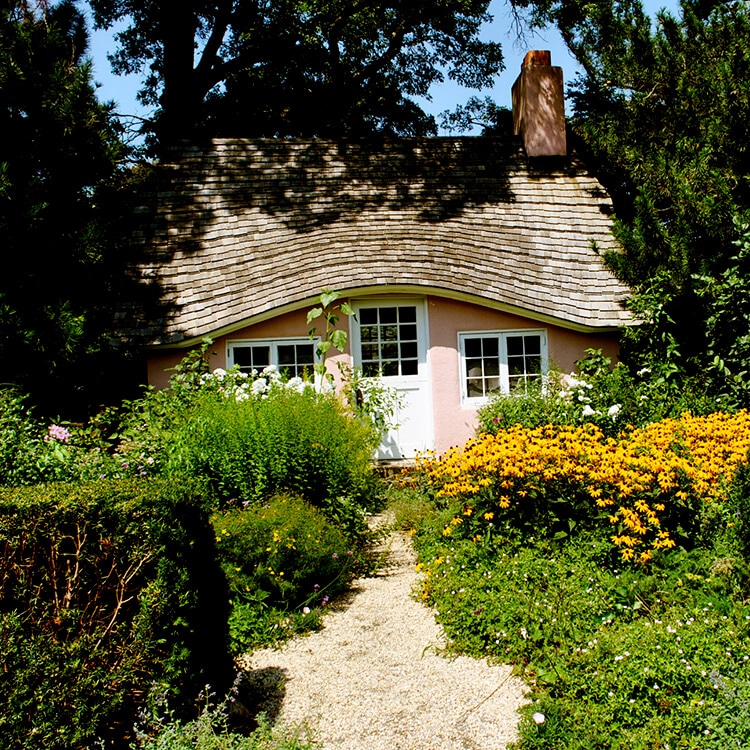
{"x": 210, "y": 55}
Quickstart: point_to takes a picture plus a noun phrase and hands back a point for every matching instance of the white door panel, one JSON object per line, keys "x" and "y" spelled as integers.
{"x": 390, "y": 336}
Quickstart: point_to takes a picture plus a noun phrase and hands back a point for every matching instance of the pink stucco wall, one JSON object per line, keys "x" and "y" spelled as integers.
{"x": 292, "y": 324}
{"x": 453, "y": 423}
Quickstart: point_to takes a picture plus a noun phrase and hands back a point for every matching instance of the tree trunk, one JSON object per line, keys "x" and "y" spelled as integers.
{"x": 181, "y": 99}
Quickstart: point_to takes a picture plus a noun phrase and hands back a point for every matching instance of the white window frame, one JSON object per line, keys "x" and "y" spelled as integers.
{"x": 502, "y": 336}
{"x": 273, "y": 344}
{"x": 420, "y": 339}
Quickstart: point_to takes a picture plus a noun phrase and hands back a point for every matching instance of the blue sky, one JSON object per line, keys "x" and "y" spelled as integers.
{"x": 122, "y": 90}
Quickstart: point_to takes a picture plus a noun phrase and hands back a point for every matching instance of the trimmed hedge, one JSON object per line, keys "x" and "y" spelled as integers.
{"x": 108, "y": 591}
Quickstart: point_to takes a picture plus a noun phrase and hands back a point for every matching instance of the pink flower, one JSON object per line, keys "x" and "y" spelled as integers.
{"x": 57, "y": 433}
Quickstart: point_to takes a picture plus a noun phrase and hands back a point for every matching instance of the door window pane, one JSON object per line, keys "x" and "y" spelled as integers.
{"x": 368, "y": 315}
{"x": 389, "y": 333}
{"x": 408, "y": 332}
{"x": 409, "y": 350}
{"x": 409, "y": 367}
{"x": 394, "y": 329}
{"x": 389, "y": 352}
{"x": 387, "y": 314}
{"x": 389, "y": 369}
{"x": 407, "y": 314}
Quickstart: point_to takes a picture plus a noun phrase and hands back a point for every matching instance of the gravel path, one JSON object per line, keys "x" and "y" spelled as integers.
{"x": 373, "y": 678}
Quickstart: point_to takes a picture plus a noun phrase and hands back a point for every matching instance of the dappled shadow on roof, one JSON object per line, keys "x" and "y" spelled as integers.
{"x": 231, "y": 192}
{"x": 304, "y": 185}
{"x": 308, "y": 184}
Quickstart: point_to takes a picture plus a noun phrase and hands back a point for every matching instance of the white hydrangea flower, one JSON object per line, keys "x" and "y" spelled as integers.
{"x": 260, "y": 385}
{"x": 296, "y": 384}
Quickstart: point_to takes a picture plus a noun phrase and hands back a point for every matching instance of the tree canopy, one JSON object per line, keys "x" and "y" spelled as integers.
{"x": 297, "y": 67}
{"x": 58, "y": 148}
{"x": 661, "y": 112}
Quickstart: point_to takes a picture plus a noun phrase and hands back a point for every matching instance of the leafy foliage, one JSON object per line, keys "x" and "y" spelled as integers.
{"x": 244, "y": 437}
{"x": 598, "y": 393}
{"x": 304, "y": 442}
{"x": 105, "y": 589}
{"x": 283, "y": 561}
{"x": 329, "y": 309}
{"x": 650, "y": 488}
{"x": 294, "y": 68}
{"x": 616, "y": 656}
{"x": 727, "y": 297}
{"x": 661, "y": 115}
{"x": 58, "y": 152}
{"x": 212, "y": 730}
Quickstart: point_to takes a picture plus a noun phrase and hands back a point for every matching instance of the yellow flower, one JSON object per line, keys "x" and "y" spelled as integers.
{"x": 640, "y": 472}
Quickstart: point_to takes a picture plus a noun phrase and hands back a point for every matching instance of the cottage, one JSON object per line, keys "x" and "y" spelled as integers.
{"x": 471, "y": 262}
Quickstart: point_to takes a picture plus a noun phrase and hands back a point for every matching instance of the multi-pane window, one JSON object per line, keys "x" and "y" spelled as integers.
{"x": 501, "y": 362}
{"x": 293, "y": 357}
{"x": 388, "y": 340}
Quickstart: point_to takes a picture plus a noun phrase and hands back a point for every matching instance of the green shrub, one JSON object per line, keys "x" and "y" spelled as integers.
{"x": 105, "y": 589}
{"x": 609, "y": 396}
{"x": 246, "y": 437}
{"x": 18, "y": 440}
{"x": 281, "y": 559}
{"x": 736, "y": 513}
{"x": 212, "y": 730}
{"x": 30, "y": 451}
{"x": 617, "y": 657}
{"x": 303, "y": 442}
{"x": 728, "y": 718}
{"x": 541, "y": 403}
{"x": 33, "y": 451}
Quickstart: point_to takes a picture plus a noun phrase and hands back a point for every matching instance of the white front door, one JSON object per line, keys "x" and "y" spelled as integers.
{"x": 390, "y": 338}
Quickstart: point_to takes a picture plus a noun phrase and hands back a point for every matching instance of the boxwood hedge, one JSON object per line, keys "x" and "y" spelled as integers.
{"x": 109, "y": 592}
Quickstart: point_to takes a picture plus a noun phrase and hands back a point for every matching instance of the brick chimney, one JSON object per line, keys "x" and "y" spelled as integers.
{"x": 539, "y": 107}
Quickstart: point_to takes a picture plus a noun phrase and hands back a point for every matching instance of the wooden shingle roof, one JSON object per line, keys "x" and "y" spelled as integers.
{"x": 237, "y": 230}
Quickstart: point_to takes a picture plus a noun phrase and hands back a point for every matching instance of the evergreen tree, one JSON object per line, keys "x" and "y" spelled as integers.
{"x": 662, "y": 112}
{"x": 58, "y": 149}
